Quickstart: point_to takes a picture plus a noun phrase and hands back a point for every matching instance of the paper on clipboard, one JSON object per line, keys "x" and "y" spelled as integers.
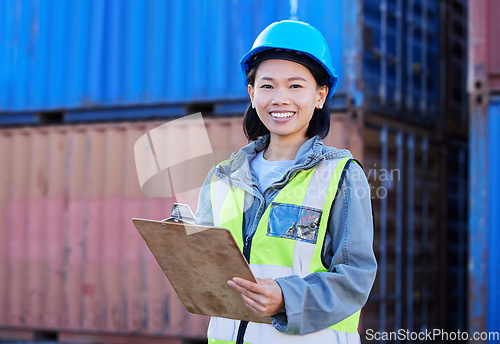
{"x": 198, "y": 261}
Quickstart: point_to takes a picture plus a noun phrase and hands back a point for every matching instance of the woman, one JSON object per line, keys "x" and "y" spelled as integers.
{"x": 292, "y": 203}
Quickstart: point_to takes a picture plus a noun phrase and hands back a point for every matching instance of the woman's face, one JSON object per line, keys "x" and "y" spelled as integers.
{"x": 285, "y": 95}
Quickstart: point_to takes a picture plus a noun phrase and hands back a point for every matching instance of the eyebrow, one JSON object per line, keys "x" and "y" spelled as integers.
{"x": 289, "y": 79}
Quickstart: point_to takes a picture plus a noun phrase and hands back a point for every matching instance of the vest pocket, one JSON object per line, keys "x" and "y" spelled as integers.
{"x": 294, "y": 222}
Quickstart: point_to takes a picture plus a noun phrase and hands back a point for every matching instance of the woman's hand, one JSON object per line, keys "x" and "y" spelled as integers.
{"x": 264, "y": 298}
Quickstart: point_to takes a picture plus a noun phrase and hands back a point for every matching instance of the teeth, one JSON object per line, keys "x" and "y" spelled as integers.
{"x": 282, "y": 114}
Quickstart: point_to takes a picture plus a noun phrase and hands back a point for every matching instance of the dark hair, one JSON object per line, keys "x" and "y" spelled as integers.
{"x": 319, "y": 124}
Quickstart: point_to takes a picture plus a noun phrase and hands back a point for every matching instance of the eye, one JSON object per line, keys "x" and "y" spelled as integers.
{"x": 296, "y": 86}
{"x": 266, "y": 86}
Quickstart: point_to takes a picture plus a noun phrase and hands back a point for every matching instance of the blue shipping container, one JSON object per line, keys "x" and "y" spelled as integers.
{"x": 493, "y": 221}
{"x": 59, "y": 55}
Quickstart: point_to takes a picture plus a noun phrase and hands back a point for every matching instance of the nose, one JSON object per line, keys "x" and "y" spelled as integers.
{"x": 281, "y": 96}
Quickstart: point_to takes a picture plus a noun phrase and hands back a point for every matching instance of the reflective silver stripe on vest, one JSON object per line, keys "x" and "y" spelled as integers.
{"x": 264, "y": 333}
{"x": 223, "y": 329}
{"x": 315, "y": 198}
{"x": 270, "y": 271}
{"x": 221, "y": 190}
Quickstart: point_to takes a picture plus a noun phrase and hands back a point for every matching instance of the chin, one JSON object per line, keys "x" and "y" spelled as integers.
{"x": 285, "y": 133}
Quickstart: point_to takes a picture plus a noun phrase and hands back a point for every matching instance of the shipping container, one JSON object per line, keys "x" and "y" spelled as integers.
{"x": 419, "y": 183}
{"x": 72, "y": 265}
{"x": 456, "y": 215}
{"x": 484, "y": 219}
{"x": 484, "y": 188}
{"x": 484, "y": 51}
{"x": 405, "y": 170}
{"x": 400, "y": 56}
{"x": 59, "y": 55}
{"x": 59, "y": 59}
{"x": 454, "y": 40}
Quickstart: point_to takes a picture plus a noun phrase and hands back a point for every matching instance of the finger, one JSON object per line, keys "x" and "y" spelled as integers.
{"x": 257, "y": 308}
{"x": 252, "y": 305}
{"x": 236, "y": 287}
{"x": 255, "y": 299}
{"x": 256, "y": 311}
{"x": 242, "y": 282}
{"x": 266, "y": 286}
{"x": 243, "y": 291}
{"x": 256, "y": 288}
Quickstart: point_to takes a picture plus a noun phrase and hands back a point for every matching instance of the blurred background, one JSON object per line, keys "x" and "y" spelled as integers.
{"x": 81, "y": 80}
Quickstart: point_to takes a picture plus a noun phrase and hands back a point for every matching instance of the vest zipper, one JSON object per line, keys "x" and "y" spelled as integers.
{"x": 246, "y": 247}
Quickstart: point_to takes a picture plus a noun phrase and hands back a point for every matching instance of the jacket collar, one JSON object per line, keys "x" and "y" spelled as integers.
{"x": 309, "y": 154}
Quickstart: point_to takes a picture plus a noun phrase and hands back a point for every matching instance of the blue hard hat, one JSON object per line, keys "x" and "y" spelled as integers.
{"x": 296, "y": 37}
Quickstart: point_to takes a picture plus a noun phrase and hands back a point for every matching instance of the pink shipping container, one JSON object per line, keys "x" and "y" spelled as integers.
{"x": 484, "y": 50}
{"x": 71, "y": 261}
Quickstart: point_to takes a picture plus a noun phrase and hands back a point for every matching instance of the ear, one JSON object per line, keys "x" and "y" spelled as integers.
{"x": 322, "y": 93}
{"x": 250, "y": 92}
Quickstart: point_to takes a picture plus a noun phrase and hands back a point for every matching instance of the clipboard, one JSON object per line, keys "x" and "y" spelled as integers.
{"x": 198, "y": 261}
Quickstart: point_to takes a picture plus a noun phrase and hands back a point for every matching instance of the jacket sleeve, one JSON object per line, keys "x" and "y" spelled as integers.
{"x": 204, "y": 214}
{"x": 323, "y": 299}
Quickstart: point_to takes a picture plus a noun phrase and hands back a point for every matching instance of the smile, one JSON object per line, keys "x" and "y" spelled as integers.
{"x": 282, "y": 114}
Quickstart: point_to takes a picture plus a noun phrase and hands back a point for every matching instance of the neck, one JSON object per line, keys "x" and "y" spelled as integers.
{"x": 283, "y": 148}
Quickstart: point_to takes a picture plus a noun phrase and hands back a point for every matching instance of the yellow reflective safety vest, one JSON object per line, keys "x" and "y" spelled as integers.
{"x": 288, "y": 241}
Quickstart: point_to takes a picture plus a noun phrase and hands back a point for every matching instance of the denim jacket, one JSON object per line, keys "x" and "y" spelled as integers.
{"x": 320, "y": 299}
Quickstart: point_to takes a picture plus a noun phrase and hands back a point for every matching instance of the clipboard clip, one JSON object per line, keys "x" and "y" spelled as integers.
{"x": 173, "y": 219}
{"x": 190, "y": 229}
{"x": 181, "y": 213}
